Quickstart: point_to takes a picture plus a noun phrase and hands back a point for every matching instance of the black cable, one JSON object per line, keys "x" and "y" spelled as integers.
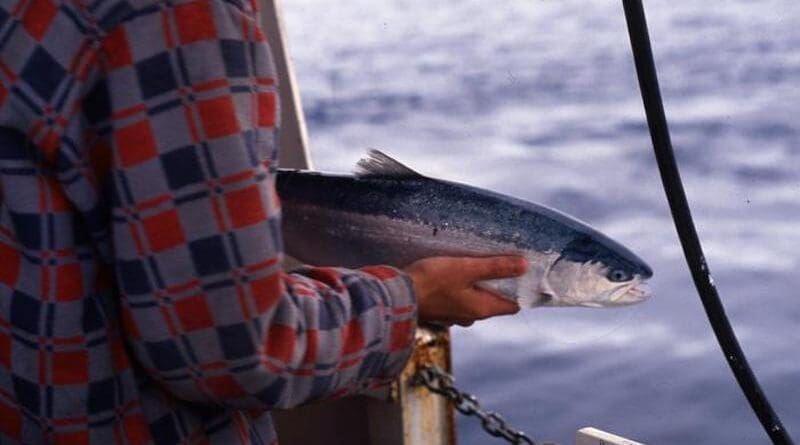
{"x": 659, "y": 132}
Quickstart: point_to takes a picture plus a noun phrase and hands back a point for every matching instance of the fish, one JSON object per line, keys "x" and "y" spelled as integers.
{"x": 387, "y": 213}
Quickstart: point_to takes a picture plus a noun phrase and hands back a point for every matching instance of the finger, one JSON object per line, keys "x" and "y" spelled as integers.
{"x": 488, "y": 304}
{"x": 490, "y": 268}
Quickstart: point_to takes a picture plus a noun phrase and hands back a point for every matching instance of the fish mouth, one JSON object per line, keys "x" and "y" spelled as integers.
{"x": 634, "y": 292}
{"x": 639, "y": 292}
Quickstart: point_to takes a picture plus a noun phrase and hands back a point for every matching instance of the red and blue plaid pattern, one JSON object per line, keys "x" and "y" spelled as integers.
{"x": 141, "y": 294}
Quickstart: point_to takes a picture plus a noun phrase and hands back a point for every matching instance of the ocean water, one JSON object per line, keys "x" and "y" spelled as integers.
{"x": 538, "y": 99}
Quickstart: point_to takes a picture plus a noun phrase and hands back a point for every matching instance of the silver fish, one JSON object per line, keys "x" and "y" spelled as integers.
{"x": 389, "y": 214}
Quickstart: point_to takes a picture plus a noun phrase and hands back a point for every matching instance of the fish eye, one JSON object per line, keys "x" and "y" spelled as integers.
{"x": 618, "y": 275}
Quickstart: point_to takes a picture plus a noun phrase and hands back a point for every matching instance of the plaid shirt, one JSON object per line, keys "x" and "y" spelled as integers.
{"x": 141, "y": 293}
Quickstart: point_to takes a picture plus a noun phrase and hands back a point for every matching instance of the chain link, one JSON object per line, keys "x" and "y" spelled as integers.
{"x": 441, "y": 383}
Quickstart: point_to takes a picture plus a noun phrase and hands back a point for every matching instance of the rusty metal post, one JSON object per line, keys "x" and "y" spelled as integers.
{"x": 428, "y": 418}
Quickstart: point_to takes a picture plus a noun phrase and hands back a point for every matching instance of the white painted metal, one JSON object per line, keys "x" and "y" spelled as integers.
{"x": 293, "y": 136}
{"x": 593, "y": 436}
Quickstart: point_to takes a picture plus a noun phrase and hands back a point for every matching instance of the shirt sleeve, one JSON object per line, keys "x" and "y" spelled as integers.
{"x": 207, "y": 310}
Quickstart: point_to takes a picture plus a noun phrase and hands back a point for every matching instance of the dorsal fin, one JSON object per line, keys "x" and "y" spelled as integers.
{"x": 377, "y": 163}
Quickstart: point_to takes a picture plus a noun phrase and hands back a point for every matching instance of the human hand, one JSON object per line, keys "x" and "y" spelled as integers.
{"x": 447, "y": 293}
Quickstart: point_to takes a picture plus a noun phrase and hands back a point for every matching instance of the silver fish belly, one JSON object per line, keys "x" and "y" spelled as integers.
{"x": 388, "y": 214}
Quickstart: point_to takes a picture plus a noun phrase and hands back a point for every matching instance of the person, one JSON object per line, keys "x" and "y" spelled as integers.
{"x": 142, "y": 299}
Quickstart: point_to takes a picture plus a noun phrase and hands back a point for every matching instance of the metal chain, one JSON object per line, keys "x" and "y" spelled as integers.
{"x": 441, "y": 383}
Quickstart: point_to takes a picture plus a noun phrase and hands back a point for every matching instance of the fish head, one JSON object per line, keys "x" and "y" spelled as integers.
{"x": 595, "y": 271}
